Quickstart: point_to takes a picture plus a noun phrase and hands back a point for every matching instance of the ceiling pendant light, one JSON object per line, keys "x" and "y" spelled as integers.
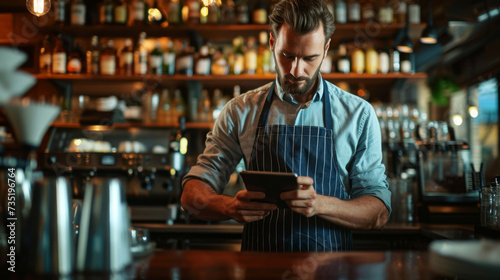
{"x": 406, "y": 44}
{"x": 429, "y": 35}
{"x": 38, "y": 7}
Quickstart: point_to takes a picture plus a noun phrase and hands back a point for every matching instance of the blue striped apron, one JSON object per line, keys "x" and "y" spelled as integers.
{"x": 307, "y": 151}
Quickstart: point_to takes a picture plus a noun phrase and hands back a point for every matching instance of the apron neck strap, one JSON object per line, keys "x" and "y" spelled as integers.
{"x": 327, "y": 116}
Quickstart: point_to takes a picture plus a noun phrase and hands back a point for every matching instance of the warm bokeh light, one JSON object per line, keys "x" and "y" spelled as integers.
{"x": 38, "y": 7}
{"x": 154, "y": 15}
{"x": 204, "y": 11}
{"x": 473, "y": 111}
{"x": 183, "y": 145}
{"x": 457, "y": 120}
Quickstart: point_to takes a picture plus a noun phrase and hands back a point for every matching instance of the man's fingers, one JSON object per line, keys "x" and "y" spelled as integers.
{"x": 247, "y": 195}
{"x": 303, "y": 180}
{"x": 308, "y": 193}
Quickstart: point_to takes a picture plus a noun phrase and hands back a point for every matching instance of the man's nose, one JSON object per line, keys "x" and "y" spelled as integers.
{"x": 297, "y": 68}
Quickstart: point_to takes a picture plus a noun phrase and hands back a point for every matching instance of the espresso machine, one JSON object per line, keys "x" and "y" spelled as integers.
{"x": 141, "y": 158}
{"x": 448, "y": 181}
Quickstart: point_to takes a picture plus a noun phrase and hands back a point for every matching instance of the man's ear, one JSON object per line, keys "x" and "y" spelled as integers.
{"x": 272, "y": 41}
{"x": 327, "y": 46}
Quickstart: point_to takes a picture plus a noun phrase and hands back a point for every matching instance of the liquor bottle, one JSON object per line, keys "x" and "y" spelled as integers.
{"x": 184, "y": 61}
{"x": 220, "y": 66}
{"x": 121, "y": 13}
{"x": 237, "y": 58}
{"x": 264, "y": 54}
{"x": 241, "y": 8}
{"x": 214, "y": 14}
{"x": 340, "y": 12}
{"x": 169, "y": 59}
{"x": 139, "y": 12}
{"x": 156, "y": 60}
{"x": 203, "y": 14}
{"x": 165, "y": 108}
{"x": 45, "y": 57}
{"x": 108, "y": 59}
{"x": 106, "y": 12}
{"x": 140, "y": 56}
{"x": 59, "y": 57}
{"x": 383, "y": 62}
{"x": 395, "y": 60}
{"x": 203, "y": 62}
{"x": 400, "y": 11}
{"x": 236, "y": 91}
{"x": 251, "y": 56}
{"x": 228, "y": 13}
{"x": 371, "y": 60}
{"x": 259, "y": 13}
{"x": 203, "y": 111}
{"x": 175, "y": 12}
{"x": 179, "y": 105}
{"x": 75, "y": 60}
{"x": 406, "y": 65}
{"x": 194, "y": 8}
{"x": 367, "y": 11}
{"x": 385, "y": 13}
{"x": 78, "y": 12}
{"x": 178, "y": 147}
{"x": 414, "y": 12}
{"x": 127, "y": 58}
{"x": 354, "y": 11}
{"x": 343, "y": 63}
{"x": 217, "y": 103}
{"x": 93, "y": 56}
{"x": 358, "y": 61}
{"x": 59, "y": 12}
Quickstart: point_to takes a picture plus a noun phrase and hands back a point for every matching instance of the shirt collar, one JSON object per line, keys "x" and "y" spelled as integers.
{"x": 284, "y": 96}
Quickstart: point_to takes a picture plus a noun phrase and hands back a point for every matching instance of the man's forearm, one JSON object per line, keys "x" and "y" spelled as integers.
{"x": 200, "y": 200}
{"x": 365, "y": 212}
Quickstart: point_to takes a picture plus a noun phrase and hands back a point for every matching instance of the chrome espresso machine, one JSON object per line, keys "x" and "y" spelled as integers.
{"x": 148, "y": 161}
{"x": 449, "y": 183}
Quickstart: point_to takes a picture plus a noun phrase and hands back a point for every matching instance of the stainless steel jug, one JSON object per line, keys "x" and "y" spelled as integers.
{"x": 49, "y": 232}
{"x": 103, "y": 241}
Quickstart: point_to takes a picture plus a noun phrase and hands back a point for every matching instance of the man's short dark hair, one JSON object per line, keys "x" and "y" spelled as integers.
{"x": 303, "y": 16}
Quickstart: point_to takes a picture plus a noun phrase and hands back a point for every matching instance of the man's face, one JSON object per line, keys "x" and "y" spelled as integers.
{"x": 298, "y": 58}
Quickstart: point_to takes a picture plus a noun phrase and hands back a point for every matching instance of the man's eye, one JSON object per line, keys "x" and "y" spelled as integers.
{"x": 287, "y": 56}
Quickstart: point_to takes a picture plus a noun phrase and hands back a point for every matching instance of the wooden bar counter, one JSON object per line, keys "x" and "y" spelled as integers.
{"x": 205, "y": 264}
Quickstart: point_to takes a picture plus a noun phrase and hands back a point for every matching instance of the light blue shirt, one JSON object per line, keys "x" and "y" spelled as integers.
{"x": 355, "y": 128}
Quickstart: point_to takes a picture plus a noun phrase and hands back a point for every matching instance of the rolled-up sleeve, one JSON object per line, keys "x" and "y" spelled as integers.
{"x": 367, "y": 174}
{"x": 222, "y": 152}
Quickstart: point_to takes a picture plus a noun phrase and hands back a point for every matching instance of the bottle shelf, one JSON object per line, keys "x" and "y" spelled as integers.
{"x": 359, "y": 32}
{"x": 230, "y": 79}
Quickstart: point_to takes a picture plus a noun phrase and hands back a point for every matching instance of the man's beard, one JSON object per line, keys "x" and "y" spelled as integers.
{"x": 294, "y": 89}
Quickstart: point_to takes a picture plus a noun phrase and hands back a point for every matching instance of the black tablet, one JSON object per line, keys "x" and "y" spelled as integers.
{"x": 270, "y": 183}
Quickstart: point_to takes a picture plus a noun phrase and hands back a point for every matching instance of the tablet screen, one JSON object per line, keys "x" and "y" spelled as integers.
{"x": 270, "y": 183}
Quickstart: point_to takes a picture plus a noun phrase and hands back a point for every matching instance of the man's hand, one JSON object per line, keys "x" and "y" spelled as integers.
{"x": 303, "y": 201}
{"x": 243, "y": 210}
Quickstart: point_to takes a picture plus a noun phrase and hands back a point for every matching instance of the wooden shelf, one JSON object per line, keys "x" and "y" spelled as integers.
{"x": 189, "y": 125}
{"x": 359, "y": 32}
{"x": 229, "y": 79}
